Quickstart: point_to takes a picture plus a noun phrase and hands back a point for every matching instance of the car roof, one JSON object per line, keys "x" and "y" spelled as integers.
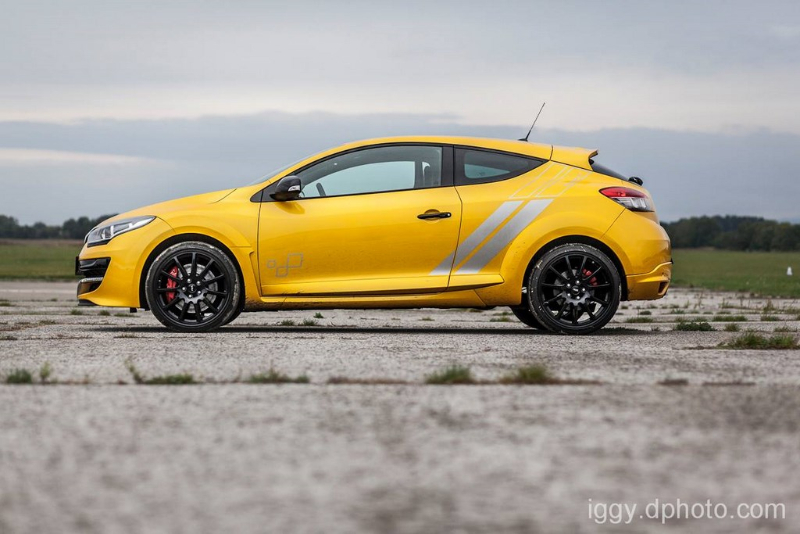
{"x": 578, "y": 157}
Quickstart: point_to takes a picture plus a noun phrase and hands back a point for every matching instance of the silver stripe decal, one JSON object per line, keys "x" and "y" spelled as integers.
{"x": 478, "y": 235}
{"x": 444, "y": 268}
{"x": 506, "y": 235}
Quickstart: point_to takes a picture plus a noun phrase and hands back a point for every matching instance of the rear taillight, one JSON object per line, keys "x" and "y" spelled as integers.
{"x": 630, "y": 198}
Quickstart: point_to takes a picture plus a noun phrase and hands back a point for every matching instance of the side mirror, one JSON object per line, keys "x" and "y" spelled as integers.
{"x": 288, "y": 188}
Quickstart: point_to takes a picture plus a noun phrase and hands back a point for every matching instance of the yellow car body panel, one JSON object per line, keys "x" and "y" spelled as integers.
{"x": 372, "y": 250}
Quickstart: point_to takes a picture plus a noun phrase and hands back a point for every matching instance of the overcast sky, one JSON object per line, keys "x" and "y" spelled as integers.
{"x": 105, "y": 106}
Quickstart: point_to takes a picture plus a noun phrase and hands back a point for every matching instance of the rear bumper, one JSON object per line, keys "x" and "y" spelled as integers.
{"x": 652, "y": 285}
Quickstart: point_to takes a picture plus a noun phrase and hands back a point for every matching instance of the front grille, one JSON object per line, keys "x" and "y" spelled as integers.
{"x": 94, "y": 268}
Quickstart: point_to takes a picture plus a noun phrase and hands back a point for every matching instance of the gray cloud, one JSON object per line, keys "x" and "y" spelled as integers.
{"x": 688, "y": 173}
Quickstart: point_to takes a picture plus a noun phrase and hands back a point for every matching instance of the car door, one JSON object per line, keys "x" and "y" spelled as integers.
{"x": 370, "y": 221}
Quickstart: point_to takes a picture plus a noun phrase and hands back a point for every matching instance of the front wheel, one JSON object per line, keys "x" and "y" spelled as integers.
{"x": 193, "y": 287}
{"x": 574, "y": 289}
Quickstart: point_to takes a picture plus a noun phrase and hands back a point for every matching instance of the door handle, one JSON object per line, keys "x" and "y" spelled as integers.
{"x": 435, "y": 215}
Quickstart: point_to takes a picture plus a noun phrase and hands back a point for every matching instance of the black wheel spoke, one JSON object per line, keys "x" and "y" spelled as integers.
{"x": 180, "y": 268}
{"x": 561, "y": 311}
{"x": 597, "y": 300}
{"x": 220, "y": 277}
{"x": 594, "y": 274}
{"x": 551, "y": 268}
{"x": 173, "y": 278}
{"x": 205, "y": 270}
{"x": 166, "y": 290}
{"x": 548, "y": 301}
{"x": 575, "y": 315}
{"x": 583, "y": 264}
{"x": 183, "y": 311}
{"x": 194, "y": 264}
{"x": 172, "y": 303}
{"x": 588, "y": 311}
{"x": 220, "y": 293}
{"x": 210, "y": 305}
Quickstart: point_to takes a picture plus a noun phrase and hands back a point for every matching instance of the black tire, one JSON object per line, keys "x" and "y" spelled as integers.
{"x": 574, "y": 289}
{"x": 193, "y": 287}
{"x": 524, "y": 314}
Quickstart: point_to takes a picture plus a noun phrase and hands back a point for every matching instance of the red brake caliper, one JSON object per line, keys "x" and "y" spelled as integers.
{"x": 593, "y": 279}
{"x": 172, "y": 284}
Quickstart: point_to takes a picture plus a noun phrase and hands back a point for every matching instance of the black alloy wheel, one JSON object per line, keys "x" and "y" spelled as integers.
{"x": 193, "y": 287}
{"x": 574, "y": 289}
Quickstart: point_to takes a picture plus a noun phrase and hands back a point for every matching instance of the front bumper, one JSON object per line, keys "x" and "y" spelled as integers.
{"x": 652, "y": 285}
{"x": 112, "y": 272}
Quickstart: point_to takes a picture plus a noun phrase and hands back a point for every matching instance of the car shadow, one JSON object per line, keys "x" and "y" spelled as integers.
{"x": 233, "y": 329}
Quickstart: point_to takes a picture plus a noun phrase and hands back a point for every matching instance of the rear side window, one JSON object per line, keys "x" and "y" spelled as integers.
{"x": 602, "y": 169}
{"x": 482, "y": 166}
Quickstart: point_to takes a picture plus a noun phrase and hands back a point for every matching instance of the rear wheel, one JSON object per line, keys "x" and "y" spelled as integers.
{"x": 193, "y": 287}
{"x": 574, "y": 289}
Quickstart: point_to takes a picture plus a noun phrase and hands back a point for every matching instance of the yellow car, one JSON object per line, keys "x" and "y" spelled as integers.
{"x": 410, "y": 222}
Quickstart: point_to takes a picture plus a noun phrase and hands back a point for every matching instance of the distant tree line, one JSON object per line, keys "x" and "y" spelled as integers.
{"x": 71, "y": 229}
{"x": 731, "y": 232}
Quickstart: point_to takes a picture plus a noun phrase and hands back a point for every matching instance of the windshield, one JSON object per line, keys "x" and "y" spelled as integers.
{"x": 275, "y": 173}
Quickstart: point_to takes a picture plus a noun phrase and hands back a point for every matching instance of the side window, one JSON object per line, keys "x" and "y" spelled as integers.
{"x": 482, "y": 166}
{"x": 374, "y": 170}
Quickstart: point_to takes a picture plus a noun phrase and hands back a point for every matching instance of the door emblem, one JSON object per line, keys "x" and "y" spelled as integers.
{"x": 293, "y": 260}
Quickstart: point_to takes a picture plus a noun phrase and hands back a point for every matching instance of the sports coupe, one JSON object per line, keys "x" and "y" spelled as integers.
{"x": 411, "y": 222}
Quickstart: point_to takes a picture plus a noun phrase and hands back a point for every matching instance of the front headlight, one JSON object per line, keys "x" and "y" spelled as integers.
{"x": 105, "y": 233}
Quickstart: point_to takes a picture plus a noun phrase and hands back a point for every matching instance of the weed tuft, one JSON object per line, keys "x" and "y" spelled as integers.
{"x": 45, "y": 372}
{"x": 455, "y": 374}
{"x": 693, "y": 326}
{"x": 639, "y": 320}
{"x": 318, "y": 315}
{"x": 674, "y": 382}
{"x": 287, "y": 322}
{"x": 310, "y": 322}
{"x": 770, "y": 318}
{"x": 427, "y": 319}
{"x": 501, "y": 319}
{"x": 732, "y": 327}
{"x": 165, "y": 380}
{"x": 645, "y": 312}
{"x": 104, "y": 313}
{"x": 754, "y": 340}
{"x": 75, "y": 311}
{"x": 343, "y": 380}
{"x": 530, "y": 374}
{"x": 274, "y": 377}
{"x": 19, "y": 376}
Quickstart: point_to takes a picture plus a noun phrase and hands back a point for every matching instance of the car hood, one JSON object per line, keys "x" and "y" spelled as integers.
{"x": 163, "y": 208}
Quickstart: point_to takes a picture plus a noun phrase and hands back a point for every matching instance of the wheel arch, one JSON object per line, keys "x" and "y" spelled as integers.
{"x": 583, "y": 240}
{"x": 182, "y": 238}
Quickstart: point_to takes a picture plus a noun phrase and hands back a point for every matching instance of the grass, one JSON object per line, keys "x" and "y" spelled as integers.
{"x": 104, "y": 313}
{"x": 455, "y": 374}
{"x": 732, "y": 327}
{"x": 645, "y": 312}
{"x": 530, "y": 374}
{"x": 164, "y": 380}
{"x": 288, "y": 322}
{"x": 754, "y": 340}
{"x": 427, "y": 319}
{"x": 38, "y": 260}
{"x": 343, "y": 380}
{"x": 721, "y": 318}
{"x": 674, "y": 382}
{"x": 7, "y": 337}
{"x": 19, "y": 376}
{"x": 75, "y": 311}
{"x": 767, "y": 318}
{"x": 274, "y": 377}
{"x": 501, "y": 319}
{"x": 318, "y": 315}
{"x": 763, "y": 273}
{"x": 639, "y": 320}
{"x": 693, "y": 326}
{"x": 310, "y": 322}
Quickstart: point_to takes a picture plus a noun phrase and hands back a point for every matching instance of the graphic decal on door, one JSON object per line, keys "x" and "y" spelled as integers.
{"x": 294, "y": 260}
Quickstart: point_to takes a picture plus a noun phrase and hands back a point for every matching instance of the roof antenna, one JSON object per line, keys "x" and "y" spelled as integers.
{"x": 534, "y": 123}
